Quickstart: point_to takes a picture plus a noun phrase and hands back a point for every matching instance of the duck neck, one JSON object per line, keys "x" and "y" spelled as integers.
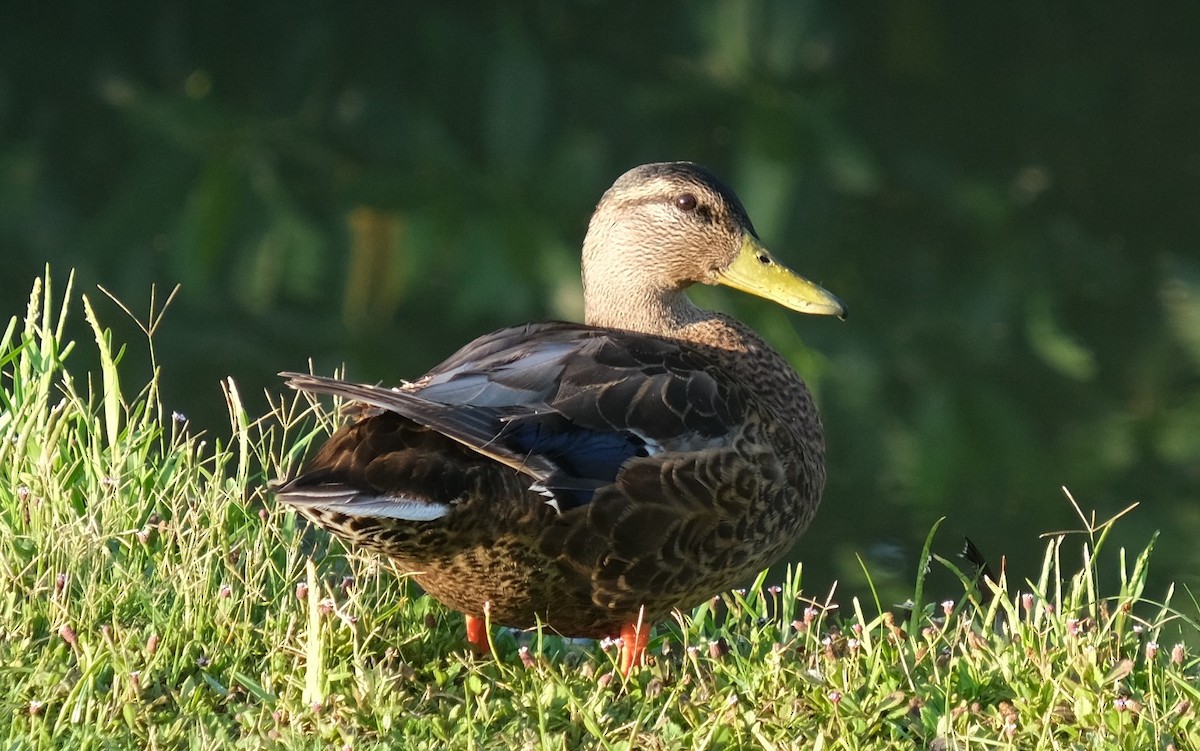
{"x": 638, "y": 307}
{"x": 626, "y": 284}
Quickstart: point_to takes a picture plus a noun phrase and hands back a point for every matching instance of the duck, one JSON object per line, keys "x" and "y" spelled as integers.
{"x": 592, "y": 478}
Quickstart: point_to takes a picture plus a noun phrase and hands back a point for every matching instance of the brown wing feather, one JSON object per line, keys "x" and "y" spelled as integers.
{"x": 475, "y": 429}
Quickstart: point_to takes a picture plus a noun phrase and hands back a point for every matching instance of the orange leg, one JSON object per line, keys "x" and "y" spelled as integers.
{"x": 634, "y": 638}
{"x": 477, "y": 634}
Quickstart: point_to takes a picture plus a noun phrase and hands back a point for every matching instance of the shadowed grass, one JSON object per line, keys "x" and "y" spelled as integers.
{"x": 152, "y": 596}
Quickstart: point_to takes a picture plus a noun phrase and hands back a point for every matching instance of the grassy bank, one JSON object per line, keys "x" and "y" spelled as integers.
{"x": 152, "y": 595}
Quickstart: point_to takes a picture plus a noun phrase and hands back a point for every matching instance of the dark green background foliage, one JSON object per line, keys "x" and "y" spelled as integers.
{"x": 1005, "y": 194}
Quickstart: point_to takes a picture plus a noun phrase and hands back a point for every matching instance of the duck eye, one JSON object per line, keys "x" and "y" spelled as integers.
{"x": 686, "y": 202}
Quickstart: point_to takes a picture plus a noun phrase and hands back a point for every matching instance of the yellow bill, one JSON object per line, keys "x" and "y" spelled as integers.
{"x": 756, "y": 272}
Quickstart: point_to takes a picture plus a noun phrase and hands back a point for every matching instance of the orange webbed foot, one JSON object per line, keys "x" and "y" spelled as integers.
{"x": 477, "y": 634}
{"x": 634, "y": 639}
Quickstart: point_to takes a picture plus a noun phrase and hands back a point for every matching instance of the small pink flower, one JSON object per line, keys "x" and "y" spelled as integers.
{"x": 526, "y": 658}
{"x": 67, "y": 634}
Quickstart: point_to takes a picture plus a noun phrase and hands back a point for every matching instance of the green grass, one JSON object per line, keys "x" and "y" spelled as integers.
{"x": 152, "y": 595}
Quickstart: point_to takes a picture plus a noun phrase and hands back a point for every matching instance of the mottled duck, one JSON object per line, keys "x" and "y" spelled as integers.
{"x": 593, "y": 477}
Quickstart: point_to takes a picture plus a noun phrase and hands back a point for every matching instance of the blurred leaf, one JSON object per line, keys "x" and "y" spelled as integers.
{"x": 1181, "y": 303}
{"x": 1057, "y": 348}
{"x": 376, "y": 279}
{"x": 1178, "y": 439}
{"x": 284, "y": 261}
{"x": 205, "y": 232}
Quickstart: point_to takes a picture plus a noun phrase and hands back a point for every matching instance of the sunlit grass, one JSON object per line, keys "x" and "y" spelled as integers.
{"x": 151, "y": 595}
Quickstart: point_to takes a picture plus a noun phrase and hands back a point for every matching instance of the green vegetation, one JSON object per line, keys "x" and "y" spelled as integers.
{"x": 152, "y": 595}
{"x": 1004, "y": 194}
